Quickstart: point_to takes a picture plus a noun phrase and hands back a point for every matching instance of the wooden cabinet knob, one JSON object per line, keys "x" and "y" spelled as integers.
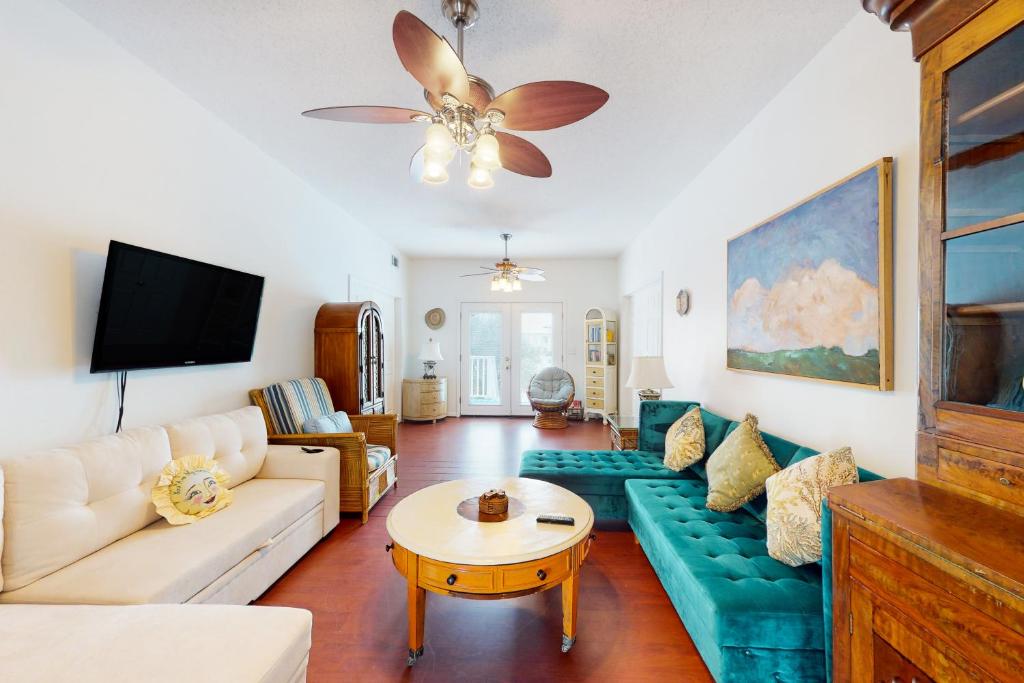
{"x": 450, "y": 580}
{"x": 541, "y": 574}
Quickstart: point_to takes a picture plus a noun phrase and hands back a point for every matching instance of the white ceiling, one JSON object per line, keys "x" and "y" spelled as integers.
{"x": 684, "y": 77}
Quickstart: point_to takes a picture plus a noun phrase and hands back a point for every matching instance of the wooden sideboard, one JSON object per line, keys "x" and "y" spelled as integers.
{"x": 425, "y": 399}
{"x": 928, "y": 585}
{"x": 928, "y": 574}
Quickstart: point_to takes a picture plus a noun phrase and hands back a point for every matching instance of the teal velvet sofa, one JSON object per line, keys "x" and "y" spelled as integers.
{"x": 751, "y": 617}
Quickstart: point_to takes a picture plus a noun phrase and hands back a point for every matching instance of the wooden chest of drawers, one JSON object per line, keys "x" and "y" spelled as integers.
{"x": 425, "y": 399}
{"x": 927, "y": 585}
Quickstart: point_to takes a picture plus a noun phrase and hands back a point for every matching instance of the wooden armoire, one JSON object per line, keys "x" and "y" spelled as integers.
{"x": 348, "y": 343}
{"x": 928, "y": 573}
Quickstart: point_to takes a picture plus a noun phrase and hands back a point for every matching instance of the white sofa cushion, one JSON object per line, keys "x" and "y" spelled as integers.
{"x": 65, "y": 503}
{"x": 90, "y": 644}
{"x": 237, "y": 440}
{"x": 170, "y": 564}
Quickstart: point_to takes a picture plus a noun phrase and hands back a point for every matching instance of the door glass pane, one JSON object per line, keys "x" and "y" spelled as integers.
{"x": 985, "y": 134}
{"x": 486, "y": 358}
{"x": 536, "y": 348}
{"x": 983, "y": 362}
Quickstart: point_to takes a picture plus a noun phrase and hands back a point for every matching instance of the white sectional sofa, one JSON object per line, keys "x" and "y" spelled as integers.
{"x": 79, "y": 527}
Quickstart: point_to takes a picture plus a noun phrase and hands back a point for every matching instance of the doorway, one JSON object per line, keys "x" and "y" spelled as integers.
{"x": 502, "y": 347}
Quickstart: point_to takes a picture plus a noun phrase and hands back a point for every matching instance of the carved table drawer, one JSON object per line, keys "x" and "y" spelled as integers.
{"x": 457, "y": 578}
{"x": 550, "y": 570}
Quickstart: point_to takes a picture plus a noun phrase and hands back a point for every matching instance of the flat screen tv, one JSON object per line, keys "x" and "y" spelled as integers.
{"x": 161, "y": 311}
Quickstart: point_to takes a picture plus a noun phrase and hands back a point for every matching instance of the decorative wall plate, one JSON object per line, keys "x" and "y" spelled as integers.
{"x": 434, "y": 318}
{"x": 683, "y": 302}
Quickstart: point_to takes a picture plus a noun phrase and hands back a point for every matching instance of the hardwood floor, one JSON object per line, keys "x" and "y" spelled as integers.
{"x": 628, "y": 629}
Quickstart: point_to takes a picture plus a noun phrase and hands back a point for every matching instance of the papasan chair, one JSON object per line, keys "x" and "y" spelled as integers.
{"x": 551, "y": 392}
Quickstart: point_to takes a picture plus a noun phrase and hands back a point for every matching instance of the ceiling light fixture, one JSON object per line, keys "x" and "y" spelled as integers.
{"x": 507, "y": 276}
{"x": 464, "y": 108}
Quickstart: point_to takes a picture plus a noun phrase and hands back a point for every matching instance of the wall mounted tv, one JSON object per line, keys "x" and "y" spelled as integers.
{"x": 160, "y": 311}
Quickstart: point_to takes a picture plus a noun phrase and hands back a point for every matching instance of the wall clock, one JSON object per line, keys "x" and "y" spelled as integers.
{"x": 683, "y": 302}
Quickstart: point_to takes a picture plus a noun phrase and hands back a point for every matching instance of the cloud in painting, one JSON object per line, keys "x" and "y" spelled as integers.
{"x": 807, "y": 307}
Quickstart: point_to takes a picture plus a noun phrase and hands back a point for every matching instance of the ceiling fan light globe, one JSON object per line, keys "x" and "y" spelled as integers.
{"x": 517, "y": 286}
{"x": 495, "y": 284}
{"x": 486, "y": 152}
{"x": 480, "y": 178}
{"x": 440, "y": 142}
{"x": 434, "y": 172}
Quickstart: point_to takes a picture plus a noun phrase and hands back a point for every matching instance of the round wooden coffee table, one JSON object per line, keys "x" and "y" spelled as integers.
{"x": 438, "y": 549}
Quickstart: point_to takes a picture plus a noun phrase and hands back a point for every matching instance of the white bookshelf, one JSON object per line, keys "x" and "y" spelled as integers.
{"x": 601, "y": 357}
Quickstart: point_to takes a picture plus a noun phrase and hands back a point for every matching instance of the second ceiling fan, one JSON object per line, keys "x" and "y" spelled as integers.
{"x": 465, "y": 110}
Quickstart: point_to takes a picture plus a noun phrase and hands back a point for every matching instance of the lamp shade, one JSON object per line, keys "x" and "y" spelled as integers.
{"x": 648, "y": 372}
{"x": 431, "y": 350}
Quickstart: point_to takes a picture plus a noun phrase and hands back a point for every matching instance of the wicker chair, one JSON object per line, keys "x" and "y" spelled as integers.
{"x": 551, "y": 393}
{"x": 296, "y": 401}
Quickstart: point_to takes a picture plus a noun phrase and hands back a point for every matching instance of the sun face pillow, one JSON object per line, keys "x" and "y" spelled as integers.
{"x": 190, "y": 488}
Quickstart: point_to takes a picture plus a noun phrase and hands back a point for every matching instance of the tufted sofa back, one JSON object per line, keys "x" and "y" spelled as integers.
{"x": 236, "y": 440}
{"x": 64, "y": 503}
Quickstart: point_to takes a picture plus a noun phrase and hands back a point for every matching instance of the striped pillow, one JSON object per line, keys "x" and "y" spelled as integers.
{"x": 293, "y": 402}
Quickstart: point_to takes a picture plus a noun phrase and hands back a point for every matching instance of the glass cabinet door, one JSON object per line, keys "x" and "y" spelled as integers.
{"x": 983, "y": 335}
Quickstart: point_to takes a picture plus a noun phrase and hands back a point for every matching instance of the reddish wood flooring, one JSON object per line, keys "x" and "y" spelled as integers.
{"x": 628, "y": 629}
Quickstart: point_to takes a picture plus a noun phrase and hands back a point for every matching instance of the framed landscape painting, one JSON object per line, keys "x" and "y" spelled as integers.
{"x": 810, "y": 289}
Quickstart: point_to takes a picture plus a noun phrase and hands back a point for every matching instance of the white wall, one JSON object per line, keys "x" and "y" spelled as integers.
{"x": 96, "y": 146}
{"x": 577, "y": 283}
{"x": 855, "y": 102}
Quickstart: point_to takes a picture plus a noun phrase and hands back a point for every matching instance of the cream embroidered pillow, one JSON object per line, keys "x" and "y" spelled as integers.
{"x": 190, "y": 488}
{"x": 739, "y": 467}
{"x": 684, "y": 441}
{"x": 794, "y": 504}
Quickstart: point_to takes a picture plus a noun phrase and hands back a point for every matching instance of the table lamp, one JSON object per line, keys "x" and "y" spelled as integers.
{"x": 430, "y": 353}
{"x": 648, "y": 376}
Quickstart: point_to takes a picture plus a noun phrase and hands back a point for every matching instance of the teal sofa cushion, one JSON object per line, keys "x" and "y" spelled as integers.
{"x": 597, "y": 476}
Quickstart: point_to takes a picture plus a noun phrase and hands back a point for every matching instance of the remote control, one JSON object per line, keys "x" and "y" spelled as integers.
{"x": 312, "y": 450}
{"x": 552, "y": 518}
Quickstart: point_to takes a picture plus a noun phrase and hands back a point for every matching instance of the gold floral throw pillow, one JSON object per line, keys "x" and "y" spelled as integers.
{"x": 794, "y": 504}
{"x": 739, "y": 467}
{"x": 684, "y": 441}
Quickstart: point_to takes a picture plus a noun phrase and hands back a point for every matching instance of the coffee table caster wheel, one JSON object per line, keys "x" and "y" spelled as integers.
{"x": 567, "y": 643}
{"x": 413, "y": 656}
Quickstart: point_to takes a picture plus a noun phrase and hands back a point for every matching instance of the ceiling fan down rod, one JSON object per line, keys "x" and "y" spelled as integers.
{"x": 462, "y": 14}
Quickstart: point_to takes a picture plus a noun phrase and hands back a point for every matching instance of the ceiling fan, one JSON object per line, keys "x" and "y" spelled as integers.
{"x": 463, "y": 109}
{"x": 507, "y": 276}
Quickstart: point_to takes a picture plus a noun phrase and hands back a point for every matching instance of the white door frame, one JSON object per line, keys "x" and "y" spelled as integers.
{"x": 509, "y": 361}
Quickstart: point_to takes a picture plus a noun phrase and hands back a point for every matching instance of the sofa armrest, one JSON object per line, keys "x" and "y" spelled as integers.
{"x": 291, "y": 462}
{"x": 381, "y": 430}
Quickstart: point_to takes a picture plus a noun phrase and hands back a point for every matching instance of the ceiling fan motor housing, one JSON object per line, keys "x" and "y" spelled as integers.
{"x": 465, "y": 12}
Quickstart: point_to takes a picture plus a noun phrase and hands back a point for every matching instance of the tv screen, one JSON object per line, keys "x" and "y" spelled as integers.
{"x": 160, "y": 311}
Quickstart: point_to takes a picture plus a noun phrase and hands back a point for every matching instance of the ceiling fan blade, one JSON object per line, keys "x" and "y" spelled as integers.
{"x": 521, "y": 156}
{"x": 416, "y": 165}
{"x": 548, "y": 104}
{"x": 530, "y": 270}
{"x": 429, "y": 57}
{"x": 488, "y": 268}
{"x": 477, "y": 274}
{"x": 367, "y": 114}
{"x": 531, "y": 277}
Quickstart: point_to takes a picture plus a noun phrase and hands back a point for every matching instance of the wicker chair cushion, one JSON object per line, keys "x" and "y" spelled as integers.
{"x": 293, "y": 402}
{"x": 551, "y": 386}
{"x": 335, "y": 423}
{"x": 376, "y": 456}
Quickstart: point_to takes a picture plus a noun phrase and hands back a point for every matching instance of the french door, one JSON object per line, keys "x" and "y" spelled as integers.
{"x": 502, "y": 346}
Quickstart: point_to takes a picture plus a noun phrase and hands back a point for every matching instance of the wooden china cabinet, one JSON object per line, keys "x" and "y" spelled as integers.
{"x": 928, "y": 574}
{"x": 348, "y": 350}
